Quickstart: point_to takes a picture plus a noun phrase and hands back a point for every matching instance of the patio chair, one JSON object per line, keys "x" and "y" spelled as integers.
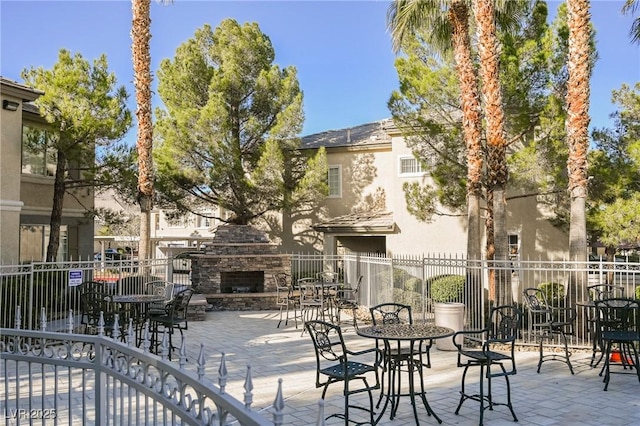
{"x": 336, "y": 364}
{"x": 619, "y": 324}
{"x": 548, "y": 323}
{"x": 479, "y": 348}
{"x": 286, "y": 298}
{"x": 398, "y": 357}
{"x": 173, "y": 318}
{"x": 599, "y": 292}
{"x": 160, "y": 288}
{"x": 92, "y": 304}
{"x": 347, "y": 299}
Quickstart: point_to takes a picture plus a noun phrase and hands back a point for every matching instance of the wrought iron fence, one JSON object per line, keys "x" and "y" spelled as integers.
{"x": 406, "y": 279}
{"x": 93, "y": 379}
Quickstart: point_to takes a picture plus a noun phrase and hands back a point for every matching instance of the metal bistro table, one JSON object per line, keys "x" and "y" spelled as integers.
{"x": 412, "y": 333}
{"x": 135, "y": 306}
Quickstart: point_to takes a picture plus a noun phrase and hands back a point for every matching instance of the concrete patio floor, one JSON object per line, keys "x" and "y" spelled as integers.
{"x": 553, "y": 397}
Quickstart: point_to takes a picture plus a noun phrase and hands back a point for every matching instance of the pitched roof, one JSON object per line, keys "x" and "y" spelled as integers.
{"x": 359, "y": 223}
{"x": 364, "y": 134}
{"x": 19, "y": 90}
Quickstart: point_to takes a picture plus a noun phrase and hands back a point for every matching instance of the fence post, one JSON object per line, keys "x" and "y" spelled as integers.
{"x": 30, "y": 314}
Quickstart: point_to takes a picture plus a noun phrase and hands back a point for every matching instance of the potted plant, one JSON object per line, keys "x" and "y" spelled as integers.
{"x": 446, "y": 295}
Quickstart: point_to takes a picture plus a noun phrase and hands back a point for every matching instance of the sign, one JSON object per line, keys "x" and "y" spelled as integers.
{"x": 75, "y": 277}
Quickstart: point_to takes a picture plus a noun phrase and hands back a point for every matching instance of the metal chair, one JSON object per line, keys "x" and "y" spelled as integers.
{"x": 286, "y": 298}
{"x": 347, "y": 299}
{"x": 548, "y": 322}
{"x": 174, "y": 318}
{"x": 599, "y": 292}
{"x": 335, "y": 364}
{"x": 479, "y": 348}
{"x": 311, "y": 303}
{"x": 399, "y": 356}
{"x": 160, "y": 288}
{"x": 94, "y": 303}
{"x": 619, "y": 324}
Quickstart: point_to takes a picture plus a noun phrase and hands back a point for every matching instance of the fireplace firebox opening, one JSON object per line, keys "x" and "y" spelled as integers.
{"x": 242, "y": 282}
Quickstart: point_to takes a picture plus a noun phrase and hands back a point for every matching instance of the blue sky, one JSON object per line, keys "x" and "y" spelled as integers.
{"x": 341, "y": 49}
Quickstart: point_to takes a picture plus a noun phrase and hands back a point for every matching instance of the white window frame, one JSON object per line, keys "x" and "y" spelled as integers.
{"x": 38, "y": 163}
{"x": 514, "y": 248}
{"x": 418, "y": 166}
{"x": 335, "y": 192}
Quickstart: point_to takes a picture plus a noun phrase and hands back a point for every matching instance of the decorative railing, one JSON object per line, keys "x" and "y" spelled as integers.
{"x": 95, "y": 379}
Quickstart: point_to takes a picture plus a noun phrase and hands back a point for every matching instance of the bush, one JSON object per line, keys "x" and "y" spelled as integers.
{"x": 447, "y": 289}
{"x": 638, "y": 292}
{"x": 554, "y": 292}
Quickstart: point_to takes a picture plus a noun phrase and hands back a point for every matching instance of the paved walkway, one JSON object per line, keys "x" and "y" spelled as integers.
{"x": 553, "y": 397}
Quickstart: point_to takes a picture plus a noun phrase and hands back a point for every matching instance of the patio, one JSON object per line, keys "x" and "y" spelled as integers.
{"x": 552, "y": 397}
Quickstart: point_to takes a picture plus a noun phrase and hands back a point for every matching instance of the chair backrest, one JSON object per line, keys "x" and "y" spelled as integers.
{"x": 605, "y": 291}
{"x": 618, "y": 315}
{"x": 328, "y": 342}
{"x": 161, "y": 288}
{"x": 504, "y": 323}
{"x": 391, "y": 313}
{"x": 282, "y": 279}
{"x": 538, "y": 309}
{"x": 328, "y": 277}
{"x": 93, "y": 286}
{"x": 535, "y": 300}
{"x": 94, "y": 302}
{"x": 179, "y": 306}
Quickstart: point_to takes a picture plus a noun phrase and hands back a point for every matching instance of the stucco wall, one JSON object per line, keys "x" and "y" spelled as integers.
{"x": 10, "y": 205}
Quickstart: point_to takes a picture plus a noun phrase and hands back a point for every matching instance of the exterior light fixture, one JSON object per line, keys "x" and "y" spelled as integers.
{"x": 10, "y": 105}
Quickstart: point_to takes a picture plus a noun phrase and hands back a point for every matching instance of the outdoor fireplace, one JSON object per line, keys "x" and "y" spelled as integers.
{"x": 241, "y": 261}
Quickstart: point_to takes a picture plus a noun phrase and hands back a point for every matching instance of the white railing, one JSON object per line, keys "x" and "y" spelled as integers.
{"x": 84, "y": 379}
{"x": 405, "y": 279}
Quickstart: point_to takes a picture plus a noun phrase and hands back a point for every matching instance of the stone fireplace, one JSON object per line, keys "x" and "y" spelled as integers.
{"x": 237, "y": 269}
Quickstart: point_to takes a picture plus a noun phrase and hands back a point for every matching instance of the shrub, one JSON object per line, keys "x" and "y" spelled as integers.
{"x": 447, "y": 289}
{"x": 554, "y": 292}
{"x": 638, "y": 292}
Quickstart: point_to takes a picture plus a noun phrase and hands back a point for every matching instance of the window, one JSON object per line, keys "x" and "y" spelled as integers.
{"x": 514, "y": 246}
{"x": 177, "y": 221}
{"x": 34, "y": 240}
{"x": 204, "y": 222}
{"x": 410, "y": 166}
{"x": 38, "y": 157}
{"x": 335, "y": 181}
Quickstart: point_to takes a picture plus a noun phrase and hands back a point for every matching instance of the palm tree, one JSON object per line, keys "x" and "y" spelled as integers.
{"x": 631, "y": 6}
{"x": 140, "y": 36}
{"x": 141, "y": 52}
{"x": 448, "y": 23}
{"x": 579, "y": 73}
{"x": 484, "y": 12}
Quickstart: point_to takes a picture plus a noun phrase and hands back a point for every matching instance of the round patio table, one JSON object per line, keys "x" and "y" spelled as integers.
{"x": 412, "y": 333}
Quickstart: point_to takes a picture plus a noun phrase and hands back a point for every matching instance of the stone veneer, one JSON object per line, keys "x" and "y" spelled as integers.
{"x": 238, "y": 248}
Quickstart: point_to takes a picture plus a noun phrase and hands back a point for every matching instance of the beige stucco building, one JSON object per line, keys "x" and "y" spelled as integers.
{"x": 366, "y": 209}
{"x": 26, "y": 186}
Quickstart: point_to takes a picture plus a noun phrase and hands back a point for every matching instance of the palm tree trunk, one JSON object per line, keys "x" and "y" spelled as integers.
{"x": 496, "y": 143}
{"x": 578, "y": 122}
{"x": 141, "y": 35}
{"x": 458, "y": 16}
{"x": 579, "y": 73}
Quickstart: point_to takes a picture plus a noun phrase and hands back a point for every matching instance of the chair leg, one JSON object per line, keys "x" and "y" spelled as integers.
{"x": 481, "y": 396}
{"x": 567, "y": 354}
{"x": 541, "y": 353}
{"x": 463, "y": 395}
